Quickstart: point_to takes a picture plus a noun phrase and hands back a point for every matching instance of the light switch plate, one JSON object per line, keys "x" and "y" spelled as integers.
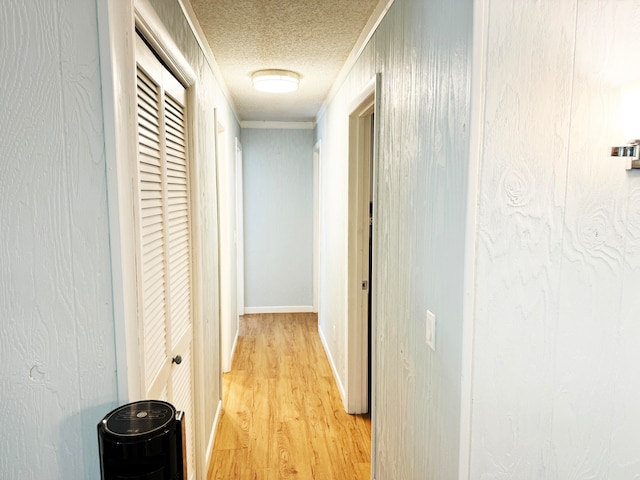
{"x": 431, "y": 330}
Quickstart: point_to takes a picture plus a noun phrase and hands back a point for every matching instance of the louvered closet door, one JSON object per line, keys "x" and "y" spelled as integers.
{"x": 164, "y": 249}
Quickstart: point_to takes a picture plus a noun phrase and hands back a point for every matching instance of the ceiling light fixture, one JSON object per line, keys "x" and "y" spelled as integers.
{"x": 275, "y": 81}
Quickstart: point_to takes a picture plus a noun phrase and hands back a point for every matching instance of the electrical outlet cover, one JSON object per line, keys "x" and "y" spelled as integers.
{"x": 431, "y": 330}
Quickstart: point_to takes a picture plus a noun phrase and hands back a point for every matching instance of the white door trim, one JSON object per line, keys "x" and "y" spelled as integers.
{"x": 154, "y": 31}
{"x": 117, "y": 22}
{"x": 226, "y": 247}
{"x": 476, "y": 136}
{"x": 117, "y": 65}
{"x": 239, "y": 230}
{"x": 356, "y": 388}
{"x": 317, "y": 156}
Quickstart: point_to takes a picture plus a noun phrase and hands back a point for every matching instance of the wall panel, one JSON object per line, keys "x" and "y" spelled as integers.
{"x": 423, "y": 50}
{"x": 522, "y": 192}
{"x": 557, "y": 247}
{"x": 56, "y": 336}
{"x": 278, "y": 216}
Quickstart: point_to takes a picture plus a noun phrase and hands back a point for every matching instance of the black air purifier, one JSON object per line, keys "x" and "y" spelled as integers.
{"x": 143, "y": 441}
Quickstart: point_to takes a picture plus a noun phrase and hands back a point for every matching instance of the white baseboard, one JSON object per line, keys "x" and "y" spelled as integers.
{"x": 226, "y": 367}
{"x": 289, "y": 309}
{"x": 333, "y": 367}
{"x": 233, "y": 350}
{"x": 212, "y": 437}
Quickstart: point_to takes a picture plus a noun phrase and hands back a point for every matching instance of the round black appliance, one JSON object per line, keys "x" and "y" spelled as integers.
{"x": 143, "y": 441}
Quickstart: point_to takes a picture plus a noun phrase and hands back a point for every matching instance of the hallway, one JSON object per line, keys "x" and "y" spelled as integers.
{"x": 283, "y": 415}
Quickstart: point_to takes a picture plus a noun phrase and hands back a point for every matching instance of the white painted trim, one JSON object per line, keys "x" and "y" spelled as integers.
{"x": 336, "y": 376}
{"x": 374, "y": 275}
{"x": 212, "y": 437}
{"x": 200, "y": 37}
{"x": 235, "y": 344}
{"x": 367, "y": 32}
{"x": 359, "y": 176}
{"x": 355, "y": 106}
{"x": 240, "y": 286}
{"x": 226, "y": 261}
{"x": 117, "y": 66}
{"x": 154, "y": 31}
{"x": 476, "y": 137}
{"x": 317, "y": 205}
{"x": 197, "y": 293}
{"x": 279, "y": 125}
{"x": 370, "y": 28}
{"x": 290, "y": 309}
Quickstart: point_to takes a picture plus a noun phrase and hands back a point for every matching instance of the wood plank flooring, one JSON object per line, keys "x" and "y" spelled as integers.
{"x": 283, "y": 416}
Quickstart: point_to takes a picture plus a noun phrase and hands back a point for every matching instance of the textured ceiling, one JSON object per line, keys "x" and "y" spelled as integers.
{"x": 310, "y": 37}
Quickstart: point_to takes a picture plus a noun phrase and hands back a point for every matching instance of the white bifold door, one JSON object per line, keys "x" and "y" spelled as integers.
{"x": 164, "y": 249}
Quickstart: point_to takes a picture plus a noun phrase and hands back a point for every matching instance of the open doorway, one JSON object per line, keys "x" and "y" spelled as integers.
{"x": 360, "y": 252}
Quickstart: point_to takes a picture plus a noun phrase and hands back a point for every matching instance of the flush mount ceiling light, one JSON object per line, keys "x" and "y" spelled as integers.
{"x": 275, "y": 81}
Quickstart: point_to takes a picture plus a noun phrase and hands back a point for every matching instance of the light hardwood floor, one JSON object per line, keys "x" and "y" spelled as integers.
{"x": 283, "y": 417}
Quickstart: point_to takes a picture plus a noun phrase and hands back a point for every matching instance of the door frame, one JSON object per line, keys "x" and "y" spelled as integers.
{"x": 362, "y": 175}
{"x": 117, "y": 22}
{"x": 239, "y": 232}
{"x": 227, "y": 181}
{"x": 224, "y": 245}
{"x": 317, "y": 205}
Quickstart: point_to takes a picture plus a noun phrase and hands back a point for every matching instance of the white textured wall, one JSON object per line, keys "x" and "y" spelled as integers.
{"x": 557, "y": 383}
{"x": 423, "y": 50}
{"x": 210, "y": 97}
{"x": 278, "y": 217}
{"x": 56, "y": 321}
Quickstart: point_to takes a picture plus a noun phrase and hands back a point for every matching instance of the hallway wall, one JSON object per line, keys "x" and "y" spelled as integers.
{"x": 423, "y": 50}
{"x": 556, "y": 384}
{"x": 58, "y": 338}
{"x": 278, "y": 219}
{"x": 56, "y": 329}
{"x": 553, "y": 343}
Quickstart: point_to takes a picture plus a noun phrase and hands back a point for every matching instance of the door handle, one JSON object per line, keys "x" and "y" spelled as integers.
{"x": 177, "y": 360}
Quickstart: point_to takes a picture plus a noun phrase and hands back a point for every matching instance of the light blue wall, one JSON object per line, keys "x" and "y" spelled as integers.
{"x": 423, "y": 50}
{"x": 57, "y": 349}
{"x": 57, "y": 338}
{"x": 278, "y": 217}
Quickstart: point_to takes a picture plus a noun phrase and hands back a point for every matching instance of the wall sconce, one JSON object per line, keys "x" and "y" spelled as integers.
{"x": 631, "y": 151}
{"x": 631, "y": 123}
